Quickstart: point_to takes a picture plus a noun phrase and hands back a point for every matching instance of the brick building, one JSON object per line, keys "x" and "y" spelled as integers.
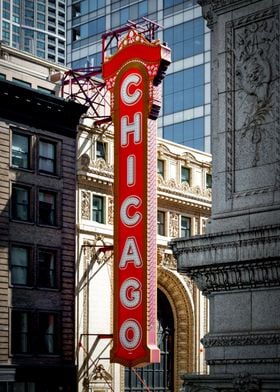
{"x": 37, "y": 227}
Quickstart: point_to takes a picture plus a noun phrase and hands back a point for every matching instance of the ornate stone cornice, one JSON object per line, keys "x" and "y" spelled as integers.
{"x": 210, "y": 8}
{"x": 184, "y": 190}
{"x": 240, "y": 340}
{"x": 231, "y": 260}
{"x": 236, "y": 276}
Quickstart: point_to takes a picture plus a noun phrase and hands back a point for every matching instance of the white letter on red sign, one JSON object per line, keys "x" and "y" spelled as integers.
{"x": 131, "y": 99}
{"x": 131, "y": 170}
{"x": 130, "y": 293}
{"x": 130, "y": 327}
{"x": 134, "y": 128}
{"x": 126, "y": 219}
{"x": 130, "y": 253}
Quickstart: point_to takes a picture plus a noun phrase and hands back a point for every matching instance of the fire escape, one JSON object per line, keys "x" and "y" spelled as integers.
{"x": 85, "y": 85}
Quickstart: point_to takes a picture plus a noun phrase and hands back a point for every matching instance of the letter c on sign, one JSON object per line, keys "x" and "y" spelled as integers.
{"x": 130, "y": 334}
{"x": 125, "y": 218}
{"x": 131, "y": 99}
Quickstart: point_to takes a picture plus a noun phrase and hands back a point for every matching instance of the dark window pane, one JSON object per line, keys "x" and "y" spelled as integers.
{"x": 20, "y": 151}
{"x": 47, "y": 333}
{"x": 208, "y": 180}
{"x": 47, "y": 208}
{"x": 97, "y": 209}
{"x": 160, "y": 167}
{"x": 47, "y": 269}
{"x": 161, "y": 222}
{"x": 185, "y": 174}
{"x": 101, "y": 150}
{"x": 20, "y": 265}
{"x": 185, "y": 226}
{"x": 47, "y": 157}
{"x": 21, "y": 203}
{"x": 21, "y": 332}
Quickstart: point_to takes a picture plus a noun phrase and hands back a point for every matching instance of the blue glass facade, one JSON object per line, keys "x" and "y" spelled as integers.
{"x": 37, "y": 27}
{"x": 185, "y": 112}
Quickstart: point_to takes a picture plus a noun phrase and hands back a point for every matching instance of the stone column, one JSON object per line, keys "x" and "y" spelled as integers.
{"x": 237, "y": 263}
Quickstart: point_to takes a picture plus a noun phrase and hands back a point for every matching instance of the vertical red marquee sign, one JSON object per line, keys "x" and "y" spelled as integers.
{"x": 133, "y": 75}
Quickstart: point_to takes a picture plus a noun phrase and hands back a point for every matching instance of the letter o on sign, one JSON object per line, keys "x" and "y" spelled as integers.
{"x": 130, "y": 334}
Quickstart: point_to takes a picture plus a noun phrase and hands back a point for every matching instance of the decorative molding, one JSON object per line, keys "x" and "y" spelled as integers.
{"x": 85, "y": 205}
{"x": 110, "y": 211}
{"x": 240, "y": 340}
{"x": 251, "y": 361}
{"x": 183, "y": 190}
{"x": 246, "y": 259}
{"x": 252, "y": 63}
{"x": 236, "y": 276}
{"x": 173, "y": 224}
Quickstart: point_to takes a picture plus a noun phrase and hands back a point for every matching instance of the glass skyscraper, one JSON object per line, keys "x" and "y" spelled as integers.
{"x": 35, "y": 26}
{"x": 185, "y": 113}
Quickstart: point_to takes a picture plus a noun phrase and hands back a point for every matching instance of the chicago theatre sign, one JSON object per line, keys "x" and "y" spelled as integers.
{"x": 133, "y": 76}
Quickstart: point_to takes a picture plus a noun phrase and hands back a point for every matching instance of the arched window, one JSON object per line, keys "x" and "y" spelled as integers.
{"x": 158, "y": 377}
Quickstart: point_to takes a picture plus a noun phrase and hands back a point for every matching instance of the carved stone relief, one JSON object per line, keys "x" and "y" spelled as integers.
{"x": 174, "y": 225}
{"x": 252, "y": 88}
{"x": 110, "y": 211}
{"x": 85, "y": 205}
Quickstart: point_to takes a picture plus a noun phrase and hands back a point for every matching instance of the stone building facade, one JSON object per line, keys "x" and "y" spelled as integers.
{"x": 184, "y": 204}
{"x": 236, "y": 264}
{"x": 37, "y": 271}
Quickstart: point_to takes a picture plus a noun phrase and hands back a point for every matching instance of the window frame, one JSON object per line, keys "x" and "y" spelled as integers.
{"x": 33, "y": 334}
{"x": 161, "y": 223}
{"x": 55, "y": 269}
{"x": 28, "y": 268}
{"x": 100, "y": 211}
{"x": 207, "y": 177}
{"x": 18, "y": 333}
{"x": 53, "y": 211}
{"x": 187, "y": 229}
{"x": 189, "y": 174}
{"x": 29, "y": 152}
{"x": 29, "y": 210}
{"x": 99, "y": 154}
{"x": 161, "y": 170}
{"x": 42, "y": 157}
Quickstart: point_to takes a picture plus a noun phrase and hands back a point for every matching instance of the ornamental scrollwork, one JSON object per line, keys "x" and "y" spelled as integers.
{"x": 253, "y": 54}
{"x": 85, "y": 205}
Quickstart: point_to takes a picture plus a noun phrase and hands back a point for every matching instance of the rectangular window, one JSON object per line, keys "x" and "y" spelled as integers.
{"x": 208, "y": 180}
{"x": 161, "y": 222}
{"x": 20, "y": 151}
{"x": 160, "y": 167}
{"x": 185, "y": 174}
{"x": 29, "y": 327}
{"x": 22, "y": 83}
{"x": 48, "y": 332}
{"x": 20, "y": 265}
{"x": 185, "y": 226}
{"x": 46, "y": 275}
{"x": 47, "y": 157}
{"x": 47, "y": 208}
{"x": 21, "y": 332}
{"x": 98, "y": 209}
{"x": 21, "y": 203}
{"x": 101, "y": 149}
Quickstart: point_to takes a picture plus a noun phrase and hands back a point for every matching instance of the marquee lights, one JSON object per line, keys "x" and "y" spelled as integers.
{"x": 133, "y": 76}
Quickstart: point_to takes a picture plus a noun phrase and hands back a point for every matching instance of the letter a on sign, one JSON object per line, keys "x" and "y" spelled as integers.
{"x": 133, "y": 76}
